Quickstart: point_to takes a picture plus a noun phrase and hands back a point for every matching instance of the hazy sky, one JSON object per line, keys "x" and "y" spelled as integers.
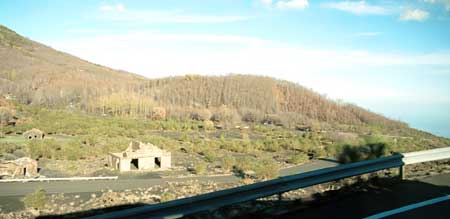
{"x": 390, "y": 56}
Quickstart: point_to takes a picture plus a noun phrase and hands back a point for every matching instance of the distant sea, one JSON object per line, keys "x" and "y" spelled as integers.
{"x": 437, "y": 125}
{"x": 429, "y": 117}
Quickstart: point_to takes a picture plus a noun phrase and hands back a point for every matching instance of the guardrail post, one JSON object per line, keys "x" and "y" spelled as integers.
{"x": 280, "y": 197}
{"x": 402, "y": 172}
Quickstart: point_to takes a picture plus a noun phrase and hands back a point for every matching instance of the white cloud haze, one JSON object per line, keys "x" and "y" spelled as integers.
{"x": 292, "y": 4}
{"x": 118, "y": 13}
{"x": 444, "y": 3}
{"x": 160, "y": 54}
{"x": 357, "y": 7}
{"x": 414, "y": 15}
{"x": 285, "y": 4}
{"x": 116, "y": 8}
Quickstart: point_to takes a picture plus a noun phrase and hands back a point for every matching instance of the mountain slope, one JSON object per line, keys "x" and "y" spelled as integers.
{"x": 263, "y": 94}
{"x": 39, "y": 75}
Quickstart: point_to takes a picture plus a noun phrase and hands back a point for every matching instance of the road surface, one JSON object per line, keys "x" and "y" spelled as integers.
{"x": 22, "y": 189}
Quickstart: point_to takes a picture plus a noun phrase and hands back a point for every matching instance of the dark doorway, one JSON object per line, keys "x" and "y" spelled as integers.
{"x": 134, "y": 164}
{"x": 158, "y": 161}
{"x": 24, "y": 171}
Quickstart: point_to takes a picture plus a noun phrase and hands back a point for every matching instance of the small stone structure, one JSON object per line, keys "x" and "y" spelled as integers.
{"x": 23, "y": 167}
{"x": 34, "y": 134}
{"x": 140, "y": 156}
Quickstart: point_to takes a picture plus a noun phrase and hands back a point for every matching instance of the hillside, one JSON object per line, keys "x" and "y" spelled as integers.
{"x": 248, "y": 126}
{"x": 39, "y": 75}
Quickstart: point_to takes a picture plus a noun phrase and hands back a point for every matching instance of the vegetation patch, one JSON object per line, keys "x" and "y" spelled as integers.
{"x": 36, "y": 200}
{"x": 369, "y": 151}
{"x": 298, "y": 158}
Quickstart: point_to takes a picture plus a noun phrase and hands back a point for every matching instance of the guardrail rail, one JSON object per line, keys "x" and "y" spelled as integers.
{"x": 211, "y": 201}
{"x": 423, "y": 156}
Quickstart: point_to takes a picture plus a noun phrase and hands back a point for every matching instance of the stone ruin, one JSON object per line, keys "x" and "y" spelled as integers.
{"x": 34, "y": 134}
{"x": 140, "y": 157}
{"x": 22, "y": 167}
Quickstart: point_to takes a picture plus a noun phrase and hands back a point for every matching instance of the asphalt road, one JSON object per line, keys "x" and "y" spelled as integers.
{"x": 315, "y": 165}
{"x": 22, "y": 189}
{"x": 376, "y": 201}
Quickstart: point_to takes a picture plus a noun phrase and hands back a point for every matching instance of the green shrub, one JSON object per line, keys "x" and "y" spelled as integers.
{"x": 236, "y": 146}
{"x": 245, "y": 163}
{"x": 200, "y": 168}
{"x": 245, "y": 136}
{"x": 6, "y": 115}
{"x": 271, "y": 145}
{"x": 45, "y": 148}
{"x": 183, "y": 137}
{"x": 253, "y": 116}
{"x": 19, "y": 153}
{"x": 210, "y": 156}
{"x": 6, "y": 147}
{"x": 266, "y": 169}
{"x": 272, "y": 119}
{"x": 375, "y": 150}
{"x": 350, "y": 154}
{"x": 228, "y": 163}
{"x": 7, "y": 156}
{"x": 36, "y": 200}
{"x": 298, "y": 158}
{"x": 225, "y": 114}
{"x": 72, "y": 152}
{"x": 317, "y": 152}
{"x": 168, "y": 196}
{"x": 52, "y": 149}
{"x": 200, "y": 114}
{"x": 208, "y": 125}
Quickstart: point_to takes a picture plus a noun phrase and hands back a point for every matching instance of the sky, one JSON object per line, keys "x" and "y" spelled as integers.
{"x": 389, "y": 56}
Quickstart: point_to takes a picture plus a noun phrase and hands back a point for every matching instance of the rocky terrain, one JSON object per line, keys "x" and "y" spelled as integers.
{"x": 65, "y": 204}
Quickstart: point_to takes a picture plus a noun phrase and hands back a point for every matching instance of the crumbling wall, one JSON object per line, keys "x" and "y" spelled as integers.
{"x": 34, "y": 134}
{"x": 143, "y": 156}
{"x": 166, "y": 162}
{"x": 22, "y": 167}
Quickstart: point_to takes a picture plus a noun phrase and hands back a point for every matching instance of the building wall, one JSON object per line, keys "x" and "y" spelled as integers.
{"x": 124, "y": 164}
{"x": 113, "y": 162}
{"x": 34, "y": 135}
{"x": 18, "y": 170}
{"x": 31, "y": 169}
{"x": 146, "y": 163}
{"x": 165, "y": 162}
{"x": 110, "y": 161}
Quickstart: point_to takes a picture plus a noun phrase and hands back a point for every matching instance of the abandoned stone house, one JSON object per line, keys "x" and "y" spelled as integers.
{"x": 140, "y": 156}
{"x": 34, "y": 134}
{"x": 22, "y": 167}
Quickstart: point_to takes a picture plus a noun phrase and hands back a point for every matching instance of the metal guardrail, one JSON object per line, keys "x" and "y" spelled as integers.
{"x": 215, "y": 200}
{"x": 59, "y": 179}
{"x": 211, "y": 201}
{"x": 425, "y": 156}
